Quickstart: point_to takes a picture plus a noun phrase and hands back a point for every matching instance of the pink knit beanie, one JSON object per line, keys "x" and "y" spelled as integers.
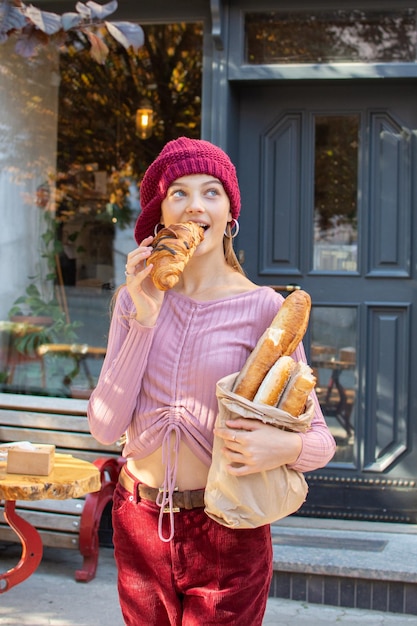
{"x": 182, "y": 157}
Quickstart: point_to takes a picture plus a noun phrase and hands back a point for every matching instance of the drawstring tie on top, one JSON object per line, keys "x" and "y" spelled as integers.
{"x": 165, "y": 496}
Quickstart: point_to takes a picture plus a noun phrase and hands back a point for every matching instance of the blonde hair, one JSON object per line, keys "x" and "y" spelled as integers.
{"x": 229, "y": 252}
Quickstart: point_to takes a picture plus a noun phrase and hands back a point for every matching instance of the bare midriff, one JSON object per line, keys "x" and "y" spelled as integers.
{"x": 191, "y": 472}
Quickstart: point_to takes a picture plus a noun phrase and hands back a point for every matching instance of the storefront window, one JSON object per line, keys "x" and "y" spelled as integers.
{"x": 334, "y": 360}
{"x": 336, "y": 36}
{"x": 71, "y": 162}
{"x": 335, "y": 192}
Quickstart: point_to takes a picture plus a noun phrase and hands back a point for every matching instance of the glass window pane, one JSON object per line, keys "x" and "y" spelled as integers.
{"x": 333, "y": 358}
{"x": 339, "y": 36}
{"x": 71, "y": 164}
{"x": 335, "y": 192}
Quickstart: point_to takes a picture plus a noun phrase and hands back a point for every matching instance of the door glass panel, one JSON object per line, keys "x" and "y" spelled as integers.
{"x": 335, "y": 192}
{"x": 340, "y": 36}
{"x": 71, "y": 163}
{"x": 333, "y": 359}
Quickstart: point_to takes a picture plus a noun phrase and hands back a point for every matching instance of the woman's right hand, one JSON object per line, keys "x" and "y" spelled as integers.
{"x": 146, "y": 297}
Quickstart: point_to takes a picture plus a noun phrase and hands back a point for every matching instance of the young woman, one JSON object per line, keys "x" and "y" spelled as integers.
{"x": 166, "y": 351}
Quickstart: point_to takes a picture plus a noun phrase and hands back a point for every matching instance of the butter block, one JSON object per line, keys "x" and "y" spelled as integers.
{"x": 37, "y": 461}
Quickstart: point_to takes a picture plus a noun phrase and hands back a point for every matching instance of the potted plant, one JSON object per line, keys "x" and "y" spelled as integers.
{"x": 40, "y": 317}
{"x": 37, "y": 321}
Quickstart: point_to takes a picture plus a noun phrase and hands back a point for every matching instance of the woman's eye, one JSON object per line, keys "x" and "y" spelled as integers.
{"x": 212, "y": 192}
{"x": 178, "y": 193}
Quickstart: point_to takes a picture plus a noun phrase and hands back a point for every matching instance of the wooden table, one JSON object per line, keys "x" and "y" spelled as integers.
{"x": 79, "y": 352}
{"x": 337, "y": 366}
{"x": 70, "y": 478}
{"x": 12, "y": 356}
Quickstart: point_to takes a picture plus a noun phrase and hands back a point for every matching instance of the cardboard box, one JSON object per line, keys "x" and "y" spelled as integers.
{"x": 38, "y": 460}
{"x": 347, "y": 354}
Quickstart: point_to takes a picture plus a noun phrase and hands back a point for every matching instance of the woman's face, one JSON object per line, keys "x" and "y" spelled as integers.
{"x": 200, "y": 198}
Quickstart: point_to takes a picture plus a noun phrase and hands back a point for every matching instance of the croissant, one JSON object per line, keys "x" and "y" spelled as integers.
{"x": 173, "y": 247}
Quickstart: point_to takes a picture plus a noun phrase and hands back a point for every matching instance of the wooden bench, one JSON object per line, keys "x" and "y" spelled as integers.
{"x": 70, "y": 523}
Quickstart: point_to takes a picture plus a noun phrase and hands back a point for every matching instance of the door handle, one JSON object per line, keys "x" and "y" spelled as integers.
{"x": 287, "y": 288}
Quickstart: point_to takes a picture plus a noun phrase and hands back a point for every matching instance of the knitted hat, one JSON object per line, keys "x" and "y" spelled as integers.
{"x": 182, "y": 157}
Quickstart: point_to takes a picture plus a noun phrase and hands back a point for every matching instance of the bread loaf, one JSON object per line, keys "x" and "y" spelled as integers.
{"x": 281, "y": 339}
{"x": 300, "y": 385}
{"x": 293, "y": 318}
{"x": 173, "y": 247}
{"x": 274, "y": 383}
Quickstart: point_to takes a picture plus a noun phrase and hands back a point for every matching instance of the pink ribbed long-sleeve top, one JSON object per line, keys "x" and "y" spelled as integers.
{"x": 162, "y": 379}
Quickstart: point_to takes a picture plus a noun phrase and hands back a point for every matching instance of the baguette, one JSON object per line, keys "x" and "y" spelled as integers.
{"x": 293, "y": 318}
{"x": 281, "y": 339}
{"x": 173, "y": 247}
{"x": 298, "y": 388}
{"x": 274, "y": 383}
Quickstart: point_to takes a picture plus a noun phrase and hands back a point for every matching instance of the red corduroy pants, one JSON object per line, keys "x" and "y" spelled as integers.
{"x": 207, "y": 575}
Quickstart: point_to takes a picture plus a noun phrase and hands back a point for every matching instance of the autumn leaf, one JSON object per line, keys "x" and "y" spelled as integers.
{"x": 127, "y": 34}
{"x": 99, "y": 49}
{"x": 11, "y": 18}
{"x": 100, "y": 12}
{"x": 47, "y": 22}
{"x": 83, "y": 10}
{"x": 27, "y": 45}
{"x": 70, "y": 20}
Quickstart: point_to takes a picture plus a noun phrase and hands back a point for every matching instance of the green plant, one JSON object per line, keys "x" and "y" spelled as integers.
{"x": 55, "y": 326}
{"x": 56, "y": 329}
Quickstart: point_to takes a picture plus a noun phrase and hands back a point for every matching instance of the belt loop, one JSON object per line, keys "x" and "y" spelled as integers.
{"x": 136, "y": 494}
{"x": 136, "y": 483}
{"x": 187, "y": 500}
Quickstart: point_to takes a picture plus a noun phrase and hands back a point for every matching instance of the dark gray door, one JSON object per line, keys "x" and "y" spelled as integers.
{"x": 327, "y": 178}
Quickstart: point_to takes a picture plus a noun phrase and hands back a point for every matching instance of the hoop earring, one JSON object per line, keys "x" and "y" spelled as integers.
{"x": 157, "y": 228}
{"x": 235, "y": 226}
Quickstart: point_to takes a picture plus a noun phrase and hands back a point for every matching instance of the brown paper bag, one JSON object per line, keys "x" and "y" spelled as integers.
{"x": 257, "y": 499}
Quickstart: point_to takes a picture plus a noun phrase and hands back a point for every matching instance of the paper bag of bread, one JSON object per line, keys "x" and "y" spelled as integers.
{"x": 275, "y": 389}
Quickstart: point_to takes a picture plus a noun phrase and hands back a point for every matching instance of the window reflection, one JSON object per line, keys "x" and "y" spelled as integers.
{"x": 331, "y": 36}
{"x": 333, "y": 358}
{"x": 69, "y": 194}
{"x": 335, "y": 192}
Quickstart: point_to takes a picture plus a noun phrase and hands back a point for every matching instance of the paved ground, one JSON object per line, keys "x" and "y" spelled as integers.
{"x": 51, "y": 597}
